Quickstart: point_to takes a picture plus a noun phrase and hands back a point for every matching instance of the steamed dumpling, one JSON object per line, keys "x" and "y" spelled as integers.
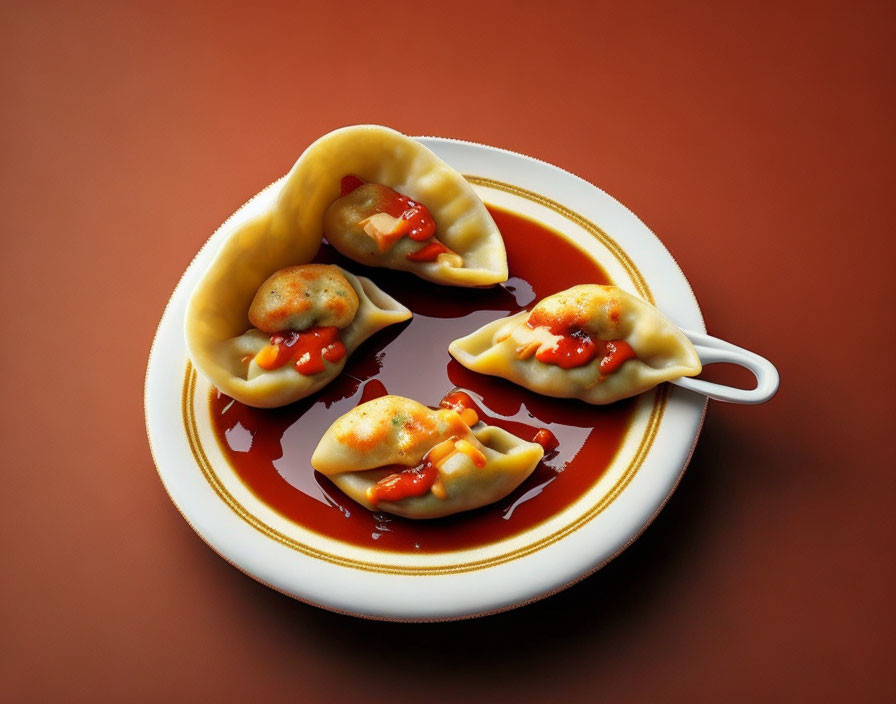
{"x": 393, "y": 203}
{"x": 290, "y": 231}
{"x": 307, "y": 320}
{"x": 396, "y": 455}
{"x": 595, "y": 343}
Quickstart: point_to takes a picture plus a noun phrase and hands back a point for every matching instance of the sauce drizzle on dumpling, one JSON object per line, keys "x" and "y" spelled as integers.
{"x": 303, "y": 308}
{"x": 386, "y": 217}
{"x": 410, "y": 451}
{"x": 560, "y": 336}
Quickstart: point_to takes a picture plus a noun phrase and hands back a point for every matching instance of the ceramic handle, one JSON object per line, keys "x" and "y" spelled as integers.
{"x": 712, "y": 350}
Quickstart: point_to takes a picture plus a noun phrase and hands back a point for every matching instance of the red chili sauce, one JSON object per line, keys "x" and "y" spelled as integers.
{"x": 270, "y": 449}
{"x": 406, "y": 482}
{"x": 577, "y": 348}
{"x": 306, "y": 349}
{"x": 403, "y": 484}
{"x": 414, "y": 219}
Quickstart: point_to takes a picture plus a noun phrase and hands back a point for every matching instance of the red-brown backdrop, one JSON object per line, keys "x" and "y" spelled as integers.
{"x": 756, "y": 140}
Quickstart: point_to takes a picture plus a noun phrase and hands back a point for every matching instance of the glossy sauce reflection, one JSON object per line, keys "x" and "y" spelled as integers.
{"x": 270, "y": 449}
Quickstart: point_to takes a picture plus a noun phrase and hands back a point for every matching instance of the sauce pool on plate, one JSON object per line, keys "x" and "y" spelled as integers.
{"x": 270, "y": 449}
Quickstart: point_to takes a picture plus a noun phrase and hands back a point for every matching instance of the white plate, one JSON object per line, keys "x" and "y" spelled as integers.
{"x": 376, "y": 584}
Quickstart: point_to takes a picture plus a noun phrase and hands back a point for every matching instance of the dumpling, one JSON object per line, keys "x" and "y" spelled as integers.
{"x": 307, "y": 319}
{"x": 396, "y": 455}
{"x": 289, "y": 233}
{"x": 393, "y": 203}
{"x": 595, "y": 343}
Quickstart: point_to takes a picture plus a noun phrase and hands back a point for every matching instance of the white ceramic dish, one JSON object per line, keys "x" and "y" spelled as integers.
{"x": 376, "y": 584}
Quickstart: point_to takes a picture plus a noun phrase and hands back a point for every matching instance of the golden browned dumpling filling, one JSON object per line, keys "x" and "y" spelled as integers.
{"x": 301, "y": 297}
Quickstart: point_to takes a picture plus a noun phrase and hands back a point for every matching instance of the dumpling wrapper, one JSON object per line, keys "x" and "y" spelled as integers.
{"x": 663, "y": 352}
{"x": 289, "y": 233}
{"x": 386, "y": 157}
{"x": 252, "y": 385}
{"x": 356, "y": 451}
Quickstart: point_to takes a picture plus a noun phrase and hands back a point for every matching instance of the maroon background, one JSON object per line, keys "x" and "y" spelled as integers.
{"x": 756, "y": 141}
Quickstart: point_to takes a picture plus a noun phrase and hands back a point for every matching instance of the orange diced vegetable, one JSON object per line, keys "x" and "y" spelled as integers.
{"x": 441, "y": 452}
{"x": 474, "y": 453}
{"x": 468, "y": 416}
{"x": 267, "y": 356}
